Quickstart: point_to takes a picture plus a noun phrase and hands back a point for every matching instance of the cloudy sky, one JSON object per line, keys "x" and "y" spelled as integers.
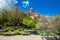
{"x": 45, "y": 7}
{"x": 7, "y": 3}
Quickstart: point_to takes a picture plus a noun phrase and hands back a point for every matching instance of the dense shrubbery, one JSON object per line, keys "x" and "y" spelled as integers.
{"x": 15, "y": 17}
{"x": 16, "y": 20}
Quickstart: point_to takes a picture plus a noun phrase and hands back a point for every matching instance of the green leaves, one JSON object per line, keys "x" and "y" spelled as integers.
{"x": 29, "y": 22}
{"x": 16, "y": 17}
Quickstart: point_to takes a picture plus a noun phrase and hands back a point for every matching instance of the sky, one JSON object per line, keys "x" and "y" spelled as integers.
{"x": 44, "y": 7}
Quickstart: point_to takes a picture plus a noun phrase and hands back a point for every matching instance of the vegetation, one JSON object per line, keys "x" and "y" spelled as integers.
{"x": 8, "y": 29}
{"x": 15, "y": 17}
{"x": 30, "y": 23}
{"x": 15, "y": 20}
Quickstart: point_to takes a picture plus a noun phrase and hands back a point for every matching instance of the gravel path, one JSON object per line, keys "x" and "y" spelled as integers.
{"x": 21, "y": 37}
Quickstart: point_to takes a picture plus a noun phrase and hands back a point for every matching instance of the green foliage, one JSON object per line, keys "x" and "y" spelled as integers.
{"x": 1, "y": 26}
{"x": 49, "y": 32}
{"x": 20, "y": 29}
{"x": 30, "y": 23}
{"x": 27, "y": 21}
{"x": 16, "y": 17}
{"x": 1, "y": 33}
{"x": 41, "y": 33}
{"x": 8, "y": 29}
{"x": 16, "y": 32}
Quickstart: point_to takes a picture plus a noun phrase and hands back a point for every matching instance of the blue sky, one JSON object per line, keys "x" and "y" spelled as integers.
{"x": 45, "y": 7}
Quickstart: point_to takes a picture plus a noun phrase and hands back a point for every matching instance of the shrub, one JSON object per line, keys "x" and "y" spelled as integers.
{"x": 20, "y": 29}
{"x": 1, "y": 26}
{"x": 1, "y": 33}
{"x": 49, "y": 32}
{"x": 29, "y": 22}
{"x": 34, "y": 28}
{"x": 42, "y": 33}
{"x": 16, "y": 32}
{"x": 8, "y": 29}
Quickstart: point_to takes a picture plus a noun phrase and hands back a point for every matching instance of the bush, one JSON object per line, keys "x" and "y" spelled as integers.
{"x": 16, "y": 32}
{"x": 41, "y": 33}
{"x": 49, "y": 32}
{"x": 20, "y": 29}
{"x": 1, "y": 26}
{"x": 29, "y": 22}
{"x": 1, "y": 33}
{"x": 8, "y": 29}
{"x": 34, "y": 28}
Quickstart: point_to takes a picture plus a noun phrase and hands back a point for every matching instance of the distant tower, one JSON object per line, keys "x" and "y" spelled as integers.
{"x": 31, "y": 10}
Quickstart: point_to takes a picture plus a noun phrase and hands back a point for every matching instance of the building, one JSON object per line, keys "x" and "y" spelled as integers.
{"x": 32, "y": 14}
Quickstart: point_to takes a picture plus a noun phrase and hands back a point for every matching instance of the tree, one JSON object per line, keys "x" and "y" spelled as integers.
{"x": 57, "y": 22}
{"x": 4, "y": 19}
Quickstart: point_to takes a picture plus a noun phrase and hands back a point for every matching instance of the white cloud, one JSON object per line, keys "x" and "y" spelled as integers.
{"x": 16, "y": 1}
{"x": 7, "y": 3}
{"x": 25, "y": 4}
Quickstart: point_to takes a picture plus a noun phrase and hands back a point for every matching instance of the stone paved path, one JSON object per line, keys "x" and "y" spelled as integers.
{"x": 21, "y": 37}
